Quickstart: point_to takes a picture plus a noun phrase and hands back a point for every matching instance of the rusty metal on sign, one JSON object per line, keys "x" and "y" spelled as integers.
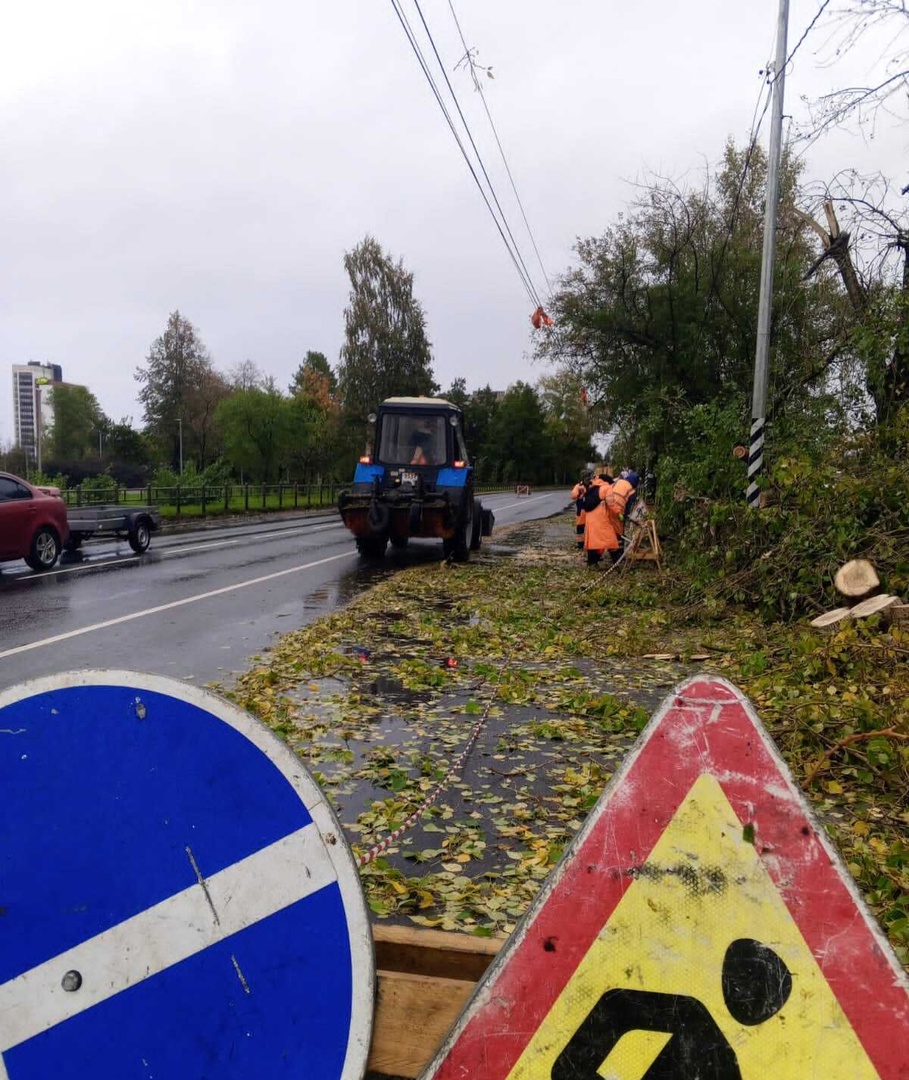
{"x": 699, "y": 926}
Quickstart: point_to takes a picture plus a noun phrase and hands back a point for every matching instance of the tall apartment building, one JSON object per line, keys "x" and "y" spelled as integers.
{"x": 33, "y": 410}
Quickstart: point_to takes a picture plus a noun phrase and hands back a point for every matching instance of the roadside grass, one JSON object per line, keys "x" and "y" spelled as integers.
{"x": 379, "y": 698}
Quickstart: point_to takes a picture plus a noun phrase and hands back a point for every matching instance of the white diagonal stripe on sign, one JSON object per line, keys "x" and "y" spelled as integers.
{"x": 181, "y": 926}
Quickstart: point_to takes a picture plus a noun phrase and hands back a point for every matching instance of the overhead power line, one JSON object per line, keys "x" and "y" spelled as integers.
{"x": 820, "y": 11}
{"x": 514, "y": 188}
{"x": 499, "y": 218}
{"x": 451, "y": 90}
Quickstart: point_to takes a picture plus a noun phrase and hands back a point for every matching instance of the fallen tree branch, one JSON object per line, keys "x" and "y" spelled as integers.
{"x": 884, "y": 733}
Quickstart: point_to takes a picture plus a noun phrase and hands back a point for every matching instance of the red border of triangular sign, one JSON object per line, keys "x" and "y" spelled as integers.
{"x": 705, "y": 726}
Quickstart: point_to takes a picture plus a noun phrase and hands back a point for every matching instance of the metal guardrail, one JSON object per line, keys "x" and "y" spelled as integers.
{"x": 218, "y": 498}
{"x": 211, "y": 498}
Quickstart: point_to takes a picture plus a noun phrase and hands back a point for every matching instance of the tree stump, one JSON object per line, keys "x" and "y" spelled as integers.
{"x": 856, "y": 579}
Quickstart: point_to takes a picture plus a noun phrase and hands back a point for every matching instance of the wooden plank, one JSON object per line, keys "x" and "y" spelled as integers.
{"x": 433, "y": 952}
{"x": 413, "y": 1015}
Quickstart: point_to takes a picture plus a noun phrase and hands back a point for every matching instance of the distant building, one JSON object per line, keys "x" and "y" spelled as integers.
{"x": 33, "y": 409}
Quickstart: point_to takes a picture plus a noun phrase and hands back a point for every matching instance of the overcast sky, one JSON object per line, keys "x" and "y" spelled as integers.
{"x": 219, "y": 157}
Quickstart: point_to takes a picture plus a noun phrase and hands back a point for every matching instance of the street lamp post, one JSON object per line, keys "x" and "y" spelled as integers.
{"x": 180, "y": 427}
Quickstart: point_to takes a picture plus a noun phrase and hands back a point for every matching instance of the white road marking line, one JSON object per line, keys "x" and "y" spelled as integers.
{"x": 177, "y": 549}
{"x": 249, "y": 536}
{"x": 524, "y": 502}
{"x": 171, "y": 931}
{"x": 72, "y": 570}
{"x": 181, "y": 549}
{"x": 169, "y": 607}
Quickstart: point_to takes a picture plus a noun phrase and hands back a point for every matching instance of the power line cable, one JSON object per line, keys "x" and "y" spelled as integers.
{"x": 479, "y": 87}
{"x": 476, "y": 151}
{"x": 801, "y": 40}
{"x": 415, "y": 46}
{"x": 479, "y": 157}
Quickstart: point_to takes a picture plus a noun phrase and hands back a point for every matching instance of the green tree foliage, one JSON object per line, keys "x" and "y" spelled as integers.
{"x": 517, "y": 448}
{"x": 479, "y": 411}
{"x": 78, "y": 419}
{"x": 128, "y": 452}
{"x": 386, "y": 351}
{"x": 257, "y": 427}
{"x": 315, "y": 365}
{"x": 180, "y": 384}
{"x": 568, "y": 425}
{"x": 315, "y": 419}
{"x": 457, "y": 393}
{"x": 660, "y": 314}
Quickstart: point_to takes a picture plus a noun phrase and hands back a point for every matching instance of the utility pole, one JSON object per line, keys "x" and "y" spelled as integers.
{"x": 180, "y": 425}
{"x": 765, "y": 302}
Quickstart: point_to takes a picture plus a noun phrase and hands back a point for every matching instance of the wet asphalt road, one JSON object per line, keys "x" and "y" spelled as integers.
{"x": 197, "y": 605}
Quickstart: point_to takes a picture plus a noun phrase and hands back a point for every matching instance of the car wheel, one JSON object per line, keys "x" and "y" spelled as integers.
{"x": 45, "y": 549}
{"x": 140, "y": 536}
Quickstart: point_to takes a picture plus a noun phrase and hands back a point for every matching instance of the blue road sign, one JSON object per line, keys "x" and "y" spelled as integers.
{"x": 177, "y": 900}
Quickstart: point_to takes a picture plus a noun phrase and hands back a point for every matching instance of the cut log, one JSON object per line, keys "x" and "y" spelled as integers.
{"x": 831, "y": 618}
{"x": 874, "y": 605}
{"x": 856, "y": 579}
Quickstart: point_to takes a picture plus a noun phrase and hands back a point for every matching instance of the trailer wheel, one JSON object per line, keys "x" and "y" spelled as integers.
{"x": 74, "y": 542}
{"x": 140, "y": 536}
{"x": 399, "y": 542}
{"x": 372, "y": 547}
{"x": 45, "y": 549}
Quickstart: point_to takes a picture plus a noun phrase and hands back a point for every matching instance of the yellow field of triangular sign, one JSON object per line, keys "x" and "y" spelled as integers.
{"x": 700, "y": 926}
{"x": 663, "y": 948}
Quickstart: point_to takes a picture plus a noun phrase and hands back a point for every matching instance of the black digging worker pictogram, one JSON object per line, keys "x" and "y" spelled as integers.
{"x": 756, "y": 985}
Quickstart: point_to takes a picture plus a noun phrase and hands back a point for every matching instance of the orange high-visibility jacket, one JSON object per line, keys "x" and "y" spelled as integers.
{"x": 577, "y": 492}
{"x": 615, "y": 503}
{"x": 599, "y": 530}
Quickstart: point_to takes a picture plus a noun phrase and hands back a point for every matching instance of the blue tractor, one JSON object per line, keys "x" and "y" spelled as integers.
{"x": 417, "y": 481}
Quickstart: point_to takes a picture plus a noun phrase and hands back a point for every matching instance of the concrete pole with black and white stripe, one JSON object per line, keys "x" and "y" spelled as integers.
{"x": 765, "y": 302}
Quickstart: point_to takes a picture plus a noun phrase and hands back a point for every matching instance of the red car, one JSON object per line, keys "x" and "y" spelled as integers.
{"x": 32, "y": 522}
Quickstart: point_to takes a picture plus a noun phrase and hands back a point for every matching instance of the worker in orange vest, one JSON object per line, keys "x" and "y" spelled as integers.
{"x": 599, "y": 533}
{"x": 616, "y": 502}
{"x": 578, "y": 492}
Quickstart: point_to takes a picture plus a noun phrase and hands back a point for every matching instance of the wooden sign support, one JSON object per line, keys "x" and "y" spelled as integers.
{"x": 644, "y": 545}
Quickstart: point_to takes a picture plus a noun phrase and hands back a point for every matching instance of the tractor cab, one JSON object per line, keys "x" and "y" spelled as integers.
{"x": 418, "y": 481}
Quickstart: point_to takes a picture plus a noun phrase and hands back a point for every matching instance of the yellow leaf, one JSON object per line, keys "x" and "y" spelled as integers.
{"x": 834, "y": 788}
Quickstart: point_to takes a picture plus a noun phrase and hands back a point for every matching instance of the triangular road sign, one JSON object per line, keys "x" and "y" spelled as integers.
{"x": 699, "y": 927}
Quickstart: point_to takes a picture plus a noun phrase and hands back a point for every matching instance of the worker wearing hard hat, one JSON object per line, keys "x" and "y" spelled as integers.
{"x": 600, "y": 535}
{"x": 578, "y": 493}
{"x": 618, "y": 502}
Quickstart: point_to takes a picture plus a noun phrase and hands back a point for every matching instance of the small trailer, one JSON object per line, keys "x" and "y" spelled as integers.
{"x": 135, "y": 524}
